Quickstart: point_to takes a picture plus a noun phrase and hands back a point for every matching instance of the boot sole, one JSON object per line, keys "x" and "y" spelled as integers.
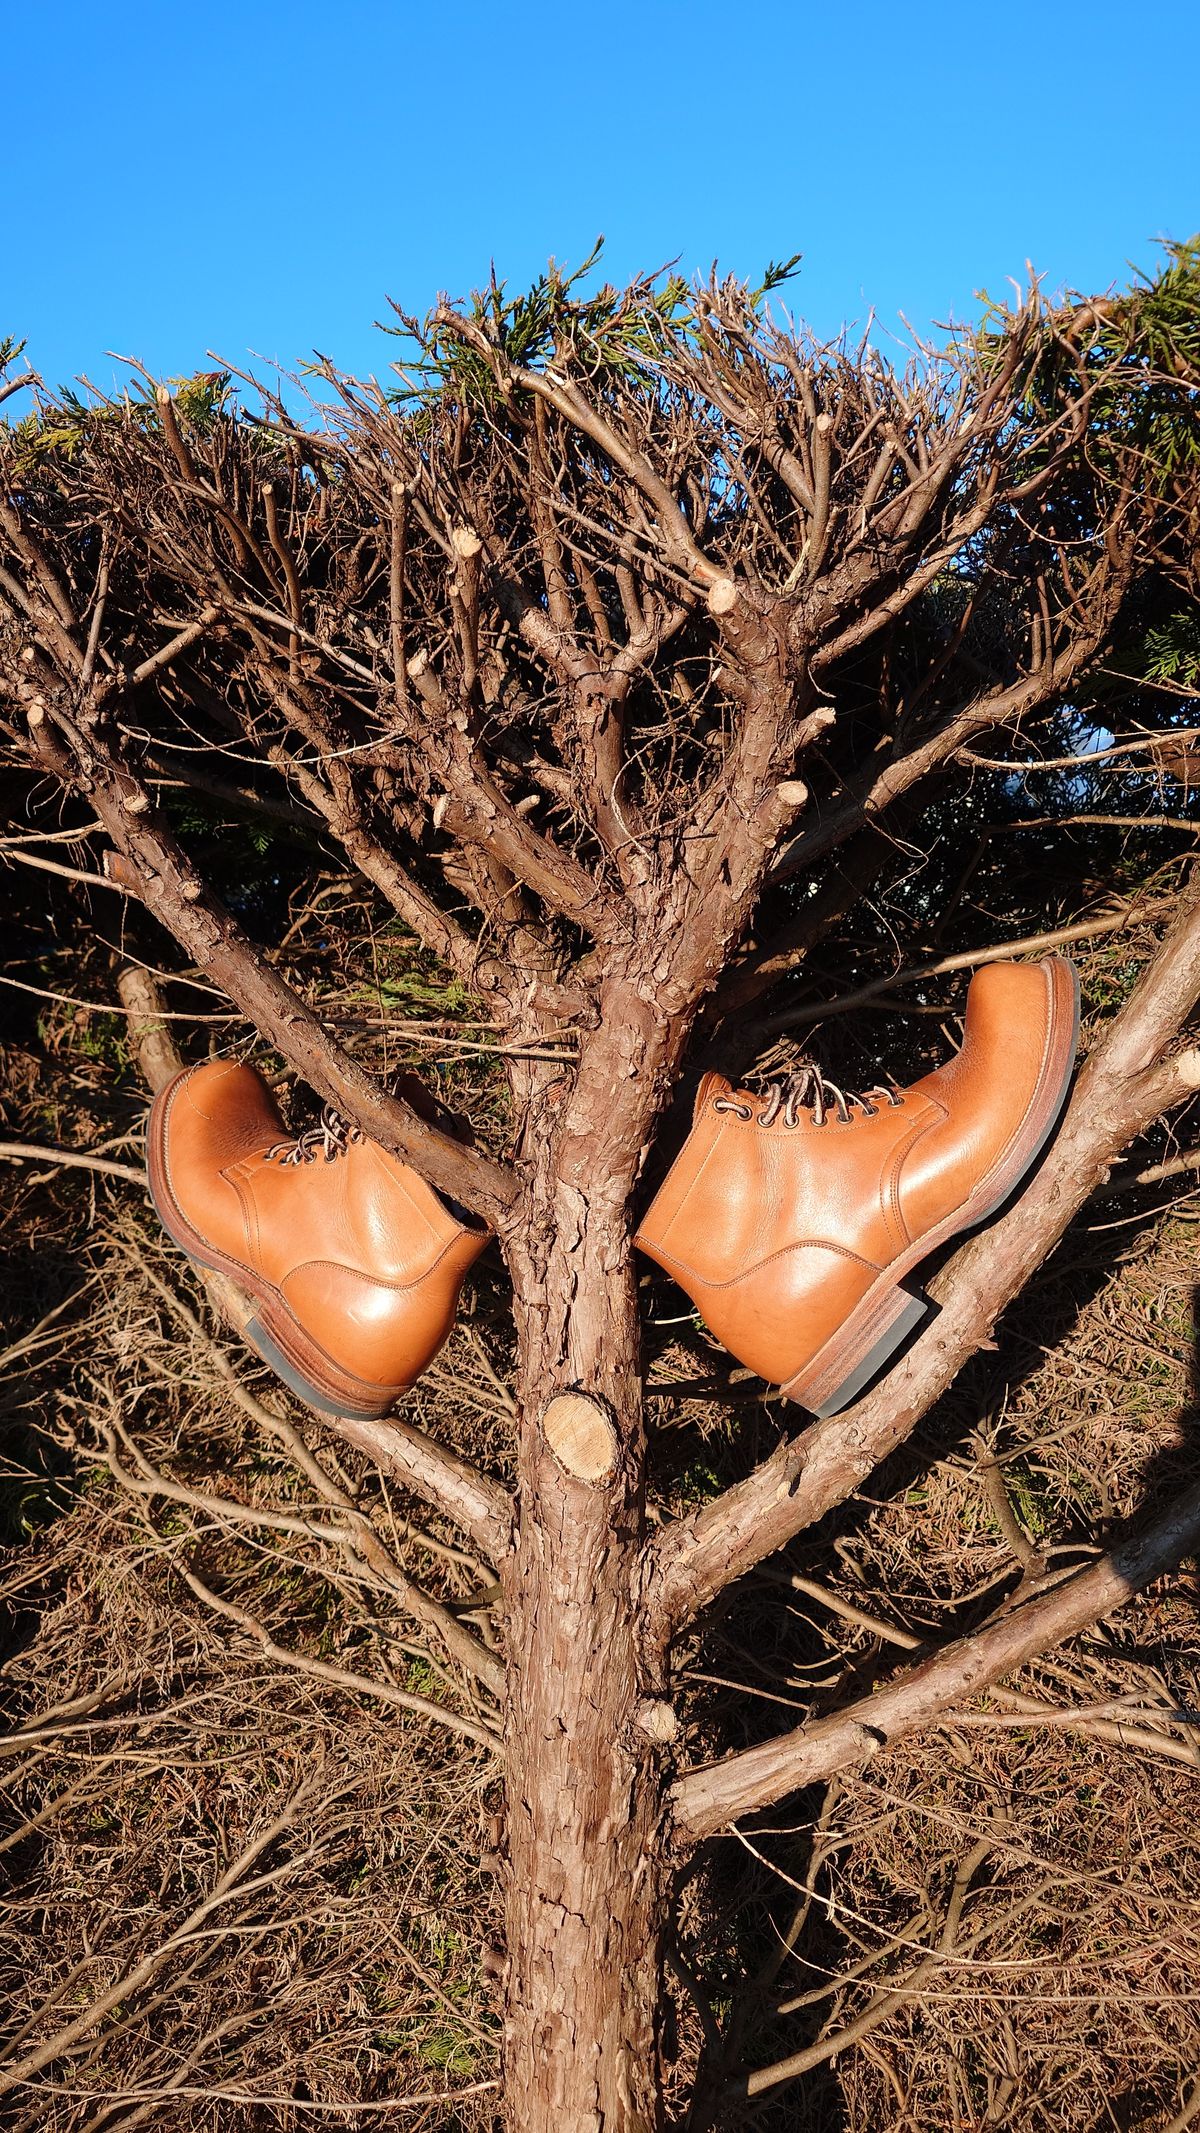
{"x": 273, "y": 1331}
{"x": 890, "y": 1311}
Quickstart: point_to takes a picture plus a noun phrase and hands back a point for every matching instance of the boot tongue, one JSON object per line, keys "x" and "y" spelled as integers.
{"x": 711, "y": 1085}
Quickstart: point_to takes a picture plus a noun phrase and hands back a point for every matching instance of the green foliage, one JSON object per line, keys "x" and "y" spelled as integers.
{"x": 64, "y": 426}
{"x": 1031, "y": 1503}
{"x": 1165, "y": 313}
{"x": 192, "y": 816}
{"x": 420, "y": 1679}
{"x": 778, "y": 272}
{"x": 1172, "y": 650}
{"x": 60, "y": 429}
{"x": 615, "y": 331}
{"x": 203, "y": 397}
{"x": 451, "y": 2048}
{"x": 414, "y": 993}
{"x": 698, "y": 1482}
{"x": 1157, "y": 334}
{"x": 1140, "y": 354}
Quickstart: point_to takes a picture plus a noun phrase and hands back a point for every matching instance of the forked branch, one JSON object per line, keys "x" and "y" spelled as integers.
{"x": 188, "y": 907}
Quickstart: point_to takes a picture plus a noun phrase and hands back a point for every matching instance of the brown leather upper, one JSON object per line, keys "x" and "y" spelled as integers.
{"x": 367, "y": 1258}
{"x": 777, "y": 1231}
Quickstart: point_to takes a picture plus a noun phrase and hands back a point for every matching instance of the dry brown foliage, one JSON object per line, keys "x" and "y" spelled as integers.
{"x": 1000, "y": 1919}
{"x": 294, "y": 1880}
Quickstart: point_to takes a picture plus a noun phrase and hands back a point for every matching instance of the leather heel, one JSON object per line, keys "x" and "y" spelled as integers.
{"x": 313, "y": 1379}
{"x": 859, "y": 1350}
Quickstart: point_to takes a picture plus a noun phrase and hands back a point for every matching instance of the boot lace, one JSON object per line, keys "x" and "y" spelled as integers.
{"x": 330, "y": 1139}
{"x": 806, "y": 1089}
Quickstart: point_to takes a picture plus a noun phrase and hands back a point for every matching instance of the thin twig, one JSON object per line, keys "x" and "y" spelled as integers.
{"x": 338, "y": 1676}
{"x": 69, "y": 1159}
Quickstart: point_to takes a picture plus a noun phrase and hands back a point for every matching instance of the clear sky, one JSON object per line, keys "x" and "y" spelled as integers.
{"x": 261, "y": 177}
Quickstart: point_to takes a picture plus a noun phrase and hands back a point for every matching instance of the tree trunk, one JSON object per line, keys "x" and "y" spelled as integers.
{"x": 588, "y": 1873}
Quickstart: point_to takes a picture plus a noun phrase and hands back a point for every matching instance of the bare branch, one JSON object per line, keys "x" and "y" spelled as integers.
{"x": 1086, "y": 929}
{"x": 338, "y": 1677}
{"x": 69, "y": 1159}
{"x": 212, "y": 938}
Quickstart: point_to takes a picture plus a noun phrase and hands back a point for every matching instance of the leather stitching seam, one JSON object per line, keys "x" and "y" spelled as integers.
{"x": 371, "y": 1281}
{"x": 249, "y": 1207}
{"x": 712, "y": 1149}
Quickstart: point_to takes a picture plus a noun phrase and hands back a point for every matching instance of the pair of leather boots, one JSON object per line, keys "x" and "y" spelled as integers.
{"x": 791, "y": 1217}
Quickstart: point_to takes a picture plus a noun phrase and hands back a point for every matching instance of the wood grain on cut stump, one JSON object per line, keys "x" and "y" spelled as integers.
{"x": 581, "y": 1436}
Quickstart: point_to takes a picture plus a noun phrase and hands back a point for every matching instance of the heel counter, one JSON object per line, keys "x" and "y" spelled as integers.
{"x": 1021, "y": 1029}
{"x": 382, "y": 1333}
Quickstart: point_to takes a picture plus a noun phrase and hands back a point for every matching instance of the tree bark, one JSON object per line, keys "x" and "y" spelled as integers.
{"x": 587, "y": 1879}
{"x": 588, "y": 1870}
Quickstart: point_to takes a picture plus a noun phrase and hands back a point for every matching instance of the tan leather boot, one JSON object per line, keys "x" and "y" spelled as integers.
{"x": 792, "y": 1217}
{"x": 354, "y": 1263}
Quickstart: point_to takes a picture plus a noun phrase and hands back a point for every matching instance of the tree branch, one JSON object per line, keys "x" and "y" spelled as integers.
{"x": 339, "y": 1677}
{"x": 69, "y": 1159}
{"x": 709, "y": 1799}
{"x": 1086, "y": 929}
{"x": 480, "y": 1506}
{"x": 1049, "y": 675}
{"x": 211, "y": 938}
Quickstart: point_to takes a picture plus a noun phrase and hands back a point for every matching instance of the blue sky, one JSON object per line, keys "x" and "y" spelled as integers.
{"x": 258, "y": 177}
